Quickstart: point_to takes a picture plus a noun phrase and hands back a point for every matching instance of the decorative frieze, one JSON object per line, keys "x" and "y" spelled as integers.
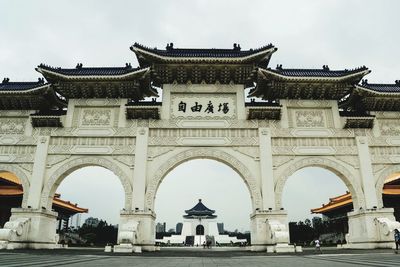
{"x": 91, "y": 145}
{"x": 389, "y": 127}
{"x": 96, "y": 117}
{"x": 203, "y": 88}
{"x": 10, "y": 126}
{"x": 308, "y": 103}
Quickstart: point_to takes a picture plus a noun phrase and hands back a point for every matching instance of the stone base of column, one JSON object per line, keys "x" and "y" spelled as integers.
{"x": 369, "y": 229}
{"x": 136, "y": 232}
{"x": 29, "y": 229}
{"x": 270, "y": 232}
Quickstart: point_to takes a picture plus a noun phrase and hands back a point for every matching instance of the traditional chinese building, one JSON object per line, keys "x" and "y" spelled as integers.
{"x": 199, "y": 226}
{"x": 336, "y": 210}
{"x": 11, "y": 193}
{"x": 293, "y": 118}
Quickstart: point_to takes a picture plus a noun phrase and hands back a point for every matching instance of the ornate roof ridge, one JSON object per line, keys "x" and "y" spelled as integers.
{"x": 236, "y": 49}
{"x": 200, "y": 208}
{"x": 381, "y": 87}
{"x": 91, "y": 70}
{"x": 7, "y": 85}
{"x": 325, "y": 70}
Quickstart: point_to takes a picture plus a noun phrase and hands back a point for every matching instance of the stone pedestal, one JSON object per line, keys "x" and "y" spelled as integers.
{"x": 136, "y": 231}
{"x": 369, "y": 229}
{"x": 29, "y": 228}
{"x": 270, "y": 232}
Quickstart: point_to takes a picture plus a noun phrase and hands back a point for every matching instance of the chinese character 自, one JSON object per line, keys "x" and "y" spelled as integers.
{"x": 182, "y": 106}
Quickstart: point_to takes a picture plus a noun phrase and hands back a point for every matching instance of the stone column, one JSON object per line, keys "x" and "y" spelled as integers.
{"x": 367, "y": 176}
{"x": 266, "y": 171}
{"x": 33, "y": 226}
{"x": 136, "y": 232}
{"x": 139, "y": 171}
{"x": 38, "y": 172}
{"x": 369, "y": 227}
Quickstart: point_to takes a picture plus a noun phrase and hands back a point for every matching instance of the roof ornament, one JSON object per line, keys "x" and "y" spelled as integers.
{"x": 128, "y": 66}
{"x": 236, "y": 47}
{"x": 364, "y": 82}
{"x": 40, "y": 80}
{"x": 79, "y": 66}
{"x": 279, "y": 67}
{"x": 6, "y": 80}
{"x": 170, "y": 46}
{"x": 397, "y": 82}
{"x": 325, "y": 67}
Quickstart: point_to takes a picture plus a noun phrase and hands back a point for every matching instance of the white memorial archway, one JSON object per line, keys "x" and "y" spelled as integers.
{"x": 86, "y": 116}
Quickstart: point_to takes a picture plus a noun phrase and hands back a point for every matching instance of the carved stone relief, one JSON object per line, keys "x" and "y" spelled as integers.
{"x": 389, "y": 127}
{"x": 96, "y": 117}
{"x": 309, "y": 118}
{"x": 91, "y": 145}
{"x": 12, "y": 125}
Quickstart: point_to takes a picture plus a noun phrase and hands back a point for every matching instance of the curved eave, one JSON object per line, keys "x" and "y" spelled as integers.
{"x": 34, "y": 90}
{"x": 68, "y": 206}
{"x": 262, "y": 55}
{"x": 51, "y": 73}
{"x": 376, "y": 93}
{"x": 332, "y": 206}
{"x": 199, "y": 216}
{"x": 351, "y": 75}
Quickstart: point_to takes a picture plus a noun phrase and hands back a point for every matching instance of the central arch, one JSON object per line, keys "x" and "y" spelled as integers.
{"x": 204, "y": 153}
{"x": 341, "y": 171}
{"x": 67, "y": 168}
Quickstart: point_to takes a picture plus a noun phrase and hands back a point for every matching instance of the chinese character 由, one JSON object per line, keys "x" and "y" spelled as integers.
{"x": 197, "y": 107}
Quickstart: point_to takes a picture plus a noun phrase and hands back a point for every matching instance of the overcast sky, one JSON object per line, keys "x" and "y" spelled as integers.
{"x": 308, "y": 34}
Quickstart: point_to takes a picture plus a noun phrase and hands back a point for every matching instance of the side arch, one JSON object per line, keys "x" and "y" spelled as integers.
{"x": 67, "y": 168}
{"x": 337, "y": 168}
{"x": 204, "y": 153}
{"x": 22, "y": 177}
{"x": 381, "y": 181}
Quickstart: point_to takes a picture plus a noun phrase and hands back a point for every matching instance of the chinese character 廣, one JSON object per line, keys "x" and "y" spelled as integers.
{"x": 210, "y": 108}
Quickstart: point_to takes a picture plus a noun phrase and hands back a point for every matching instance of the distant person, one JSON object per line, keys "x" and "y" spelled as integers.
{"x": 397, "y": 238}
{"x": 317, "y": 246}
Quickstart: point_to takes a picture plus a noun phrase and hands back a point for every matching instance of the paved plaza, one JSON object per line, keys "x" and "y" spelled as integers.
{"x": 191, "y": 258}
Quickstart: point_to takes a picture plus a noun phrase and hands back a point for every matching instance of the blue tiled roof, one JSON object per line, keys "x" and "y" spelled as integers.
{"x": 79, "y": 70}
{"x": 6, "y": 85}
{"x": 382, "y": 88}
{"x": 199, "y": 209}
{"x": 170, "y": 51}
{"x": 324, "y": 72}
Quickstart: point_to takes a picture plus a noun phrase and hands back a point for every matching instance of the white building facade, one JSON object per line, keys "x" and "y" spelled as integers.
{"x": 297, "y": 118}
